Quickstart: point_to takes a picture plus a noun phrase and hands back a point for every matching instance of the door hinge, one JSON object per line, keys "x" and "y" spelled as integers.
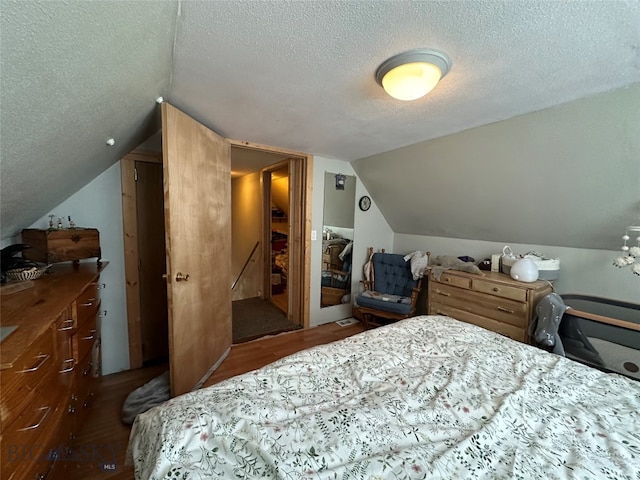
{"x": 135, "y": 174}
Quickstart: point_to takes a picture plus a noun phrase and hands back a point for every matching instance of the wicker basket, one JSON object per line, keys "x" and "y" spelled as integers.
{"x": 24, "y": 274}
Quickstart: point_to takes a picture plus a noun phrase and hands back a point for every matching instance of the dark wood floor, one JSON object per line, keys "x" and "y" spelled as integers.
{"x": 280, "y": 300}
{"x": 103, "y": 439}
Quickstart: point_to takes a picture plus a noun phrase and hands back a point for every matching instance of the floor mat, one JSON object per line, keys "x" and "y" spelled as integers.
{"x": 256, "y": 317}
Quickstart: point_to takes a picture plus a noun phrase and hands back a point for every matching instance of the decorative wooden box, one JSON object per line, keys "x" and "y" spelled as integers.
{"x": 61, "y": 245}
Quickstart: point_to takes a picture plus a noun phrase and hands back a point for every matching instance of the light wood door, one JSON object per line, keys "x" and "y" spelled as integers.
{"x": 151, "y": 261}
{"x": 197, "y": 202}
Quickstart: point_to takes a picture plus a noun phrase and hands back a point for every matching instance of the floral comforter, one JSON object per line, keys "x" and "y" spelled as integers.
{"x": 425, "y": 398}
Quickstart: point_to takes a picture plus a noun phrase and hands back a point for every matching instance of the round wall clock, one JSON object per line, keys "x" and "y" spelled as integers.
{"x": 364, "y": 203}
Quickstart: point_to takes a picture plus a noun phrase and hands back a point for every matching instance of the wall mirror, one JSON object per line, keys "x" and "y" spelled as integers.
{"x": 337, "y": 238}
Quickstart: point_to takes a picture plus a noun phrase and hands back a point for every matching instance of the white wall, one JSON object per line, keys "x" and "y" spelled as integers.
{"x": 582, "y": 271}
{"x": 370, "y": 229}
{"x": 246, "y": 230}
{"x": 568, "y": 175}
{"x": 99, "y": 205}
{"x": 336, "y": 209}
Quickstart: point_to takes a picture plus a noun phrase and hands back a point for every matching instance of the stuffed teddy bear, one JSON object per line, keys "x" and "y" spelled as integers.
{"x": 446, "y": 262}
{"x": 419, "y": 263}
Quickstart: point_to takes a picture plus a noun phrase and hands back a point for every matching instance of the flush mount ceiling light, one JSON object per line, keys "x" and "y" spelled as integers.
{"x": 413, "y": 74}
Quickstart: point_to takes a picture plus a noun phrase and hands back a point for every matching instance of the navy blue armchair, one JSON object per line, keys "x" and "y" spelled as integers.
{"x": 390, "y": 291}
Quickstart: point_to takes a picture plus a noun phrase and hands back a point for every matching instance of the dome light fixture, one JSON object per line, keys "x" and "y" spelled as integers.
{"x": 411, "y": 75}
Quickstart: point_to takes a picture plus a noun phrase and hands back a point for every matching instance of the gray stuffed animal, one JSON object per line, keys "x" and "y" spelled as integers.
{"x": 447, "y": 262}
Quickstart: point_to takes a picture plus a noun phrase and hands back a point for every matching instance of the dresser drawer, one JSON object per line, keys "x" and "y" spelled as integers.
{"x": 501, "y": 309}
{"x": 448, "y": 279}
{"x": 84, "y": 389}
{"x": 19, "y": 382}
{"x": 87, "y": 303}
{"x": 29, "y": 443}
{"x": 84, "y": 339}
{"x": 505, "y": 329}
{"x": 40, "y": 369}
{"x": 499, "y": 290}
{"x": 67, "y": 429}
{"x": 65, "y": 363}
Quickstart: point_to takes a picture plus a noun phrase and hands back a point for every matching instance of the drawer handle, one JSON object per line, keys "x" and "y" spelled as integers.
{"x": 68, "y": 325}
{"x": 89, "y": 303}
{"x": 444, "y": 294}
{"x": 91, "y": 336}
{"x": 496, "y": 289}
{"x": 68, "y": 369}
{"x": 503, "y": 309}
{"x": 43, "y": 359}
{"x": 36, "y": 425}
{"x": 87, "y": 370}
{"x": 87, "y": 401}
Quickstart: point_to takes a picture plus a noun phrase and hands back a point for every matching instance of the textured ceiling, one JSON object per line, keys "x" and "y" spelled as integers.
{"x": 292, "y": 74}
{"x": 300, "y": 75}
{"x": 74, "y": 74}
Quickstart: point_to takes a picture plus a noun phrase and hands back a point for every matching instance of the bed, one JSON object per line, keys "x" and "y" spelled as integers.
{"x": 428, "y": 397}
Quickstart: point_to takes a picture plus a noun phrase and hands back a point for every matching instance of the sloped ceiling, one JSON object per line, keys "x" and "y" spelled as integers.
{"x": 297, "y": 75}
{"x": 73, "y": 75}
{"x": 300, "y": 75}
{"x": 565, "y": 176}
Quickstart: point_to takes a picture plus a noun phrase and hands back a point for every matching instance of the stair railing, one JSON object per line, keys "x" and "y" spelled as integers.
{"x": 255, "y": 247}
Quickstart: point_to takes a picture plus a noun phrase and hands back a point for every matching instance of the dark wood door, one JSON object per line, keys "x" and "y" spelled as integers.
{"x": 152, "y": 262}
{"x": 197, "y": 202}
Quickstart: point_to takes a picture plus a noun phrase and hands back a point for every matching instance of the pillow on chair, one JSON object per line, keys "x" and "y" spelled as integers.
{"x": 386, "y": 297}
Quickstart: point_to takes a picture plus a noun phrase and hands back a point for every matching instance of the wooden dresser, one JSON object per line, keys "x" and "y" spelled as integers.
{"x": 494, "y": 301}
{"x": 47, "y": 368}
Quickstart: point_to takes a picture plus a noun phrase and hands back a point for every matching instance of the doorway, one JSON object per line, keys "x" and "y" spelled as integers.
{"x": 300, "y": 175}
{"x": 261, "y": 228}
{"x": 145, "y": 261}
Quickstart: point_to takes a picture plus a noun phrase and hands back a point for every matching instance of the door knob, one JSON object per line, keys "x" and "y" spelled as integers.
{"x": 179, "y": 277}
{"x": 182, "y": 278}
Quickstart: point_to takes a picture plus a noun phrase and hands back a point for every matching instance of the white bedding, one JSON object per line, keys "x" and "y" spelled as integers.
{"x": 425, "y": 398}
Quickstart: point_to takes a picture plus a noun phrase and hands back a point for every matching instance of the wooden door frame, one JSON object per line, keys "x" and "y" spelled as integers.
{"x": 131, "y": 256}
{"x": 300, "y": 190}
{"x": 267, "y": 226}
{"x": 302, "y": 179}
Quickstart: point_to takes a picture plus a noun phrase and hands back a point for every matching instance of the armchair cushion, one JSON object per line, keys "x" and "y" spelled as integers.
{"x": 393, "y": 286}
{"x": 392, "y": 275}
{"x": 386, "y": 302}
{"x": 386, "y": 297}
